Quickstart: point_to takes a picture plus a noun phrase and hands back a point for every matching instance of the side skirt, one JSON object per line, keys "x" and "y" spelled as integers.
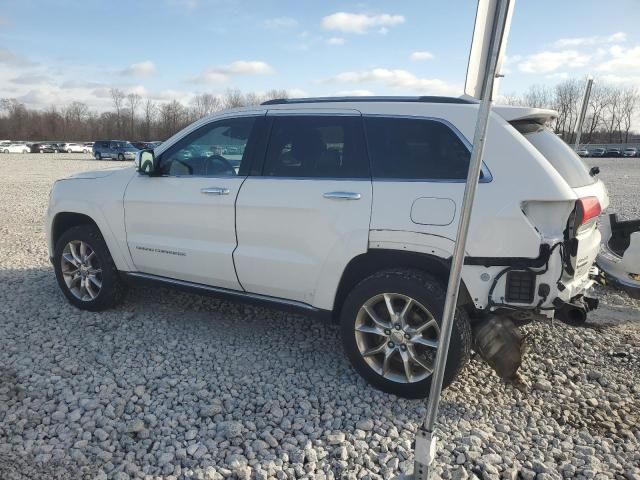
{"x": 137, "y": 278}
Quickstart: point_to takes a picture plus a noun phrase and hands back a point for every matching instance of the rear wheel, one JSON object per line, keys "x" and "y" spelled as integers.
{"x": 85, "y": 270}
{"x": 69, "y": 150}
{"x": 391, "y": 331}
{"x": 120, "y": 157}
{"x": 6, "y": 151}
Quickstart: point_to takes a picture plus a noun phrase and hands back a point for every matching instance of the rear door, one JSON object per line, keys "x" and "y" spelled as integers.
{"x": 305, "y": 214}
{"x": 419, "y": 167}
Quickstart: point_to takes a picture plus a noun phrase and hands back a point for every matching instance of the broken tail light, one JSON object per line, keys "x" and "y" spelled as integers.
{"x": 587, "y": 208}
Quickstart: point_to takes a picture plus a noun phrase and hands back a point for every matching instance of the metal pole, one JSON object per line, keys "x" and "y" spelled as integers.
{"x": 425, "y": 445}
{"x": 583, "y": 111}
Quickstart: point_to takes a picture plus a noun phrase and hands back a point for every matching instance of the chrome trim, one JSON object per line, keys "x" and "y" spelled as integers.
{"x": 222, "y": 291}
{"x": 215, "y": 191}
{"x": 342, "y": 195}
{"x": 487, "y": 177}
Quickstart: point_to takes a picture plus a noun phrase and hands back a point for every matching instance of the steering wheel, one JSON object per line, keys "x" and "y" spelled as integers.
{"x": 211, "y": 165}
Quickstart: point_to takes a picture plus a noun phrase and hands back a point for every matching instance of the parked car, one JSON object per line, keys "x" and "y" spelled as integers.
{"x": 630, "y": 152}
{"x": 598, "y": 152}
{"x": 350, "y": 214}
{"x": 14, "y": 148}
{"x": 74, "y": 148}
{"x": 113, "y": 149}
{"x": 45, "y": 148}
{"x": 583, "y": 152}
{"x": 613, "y": 152}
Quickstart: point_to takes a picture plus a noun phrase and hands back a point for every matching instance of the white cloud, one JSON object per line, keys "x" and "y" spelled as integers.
{"x": 400, "y": 79}
{"x": 335, "y": 41}
{"x": 355, "y": 93}
{"x": 573, "y": 42}
{"x": 281, "y": 22}
{"x": 142, "y": 69}
{"x": 421, "y": 55}
{"x": 547, "y": 62}
{"x": 622, "y": 60}
{"x": 360, "y": 22}
{"x": 240, "y": 67}
{"x": 8, "y": 57}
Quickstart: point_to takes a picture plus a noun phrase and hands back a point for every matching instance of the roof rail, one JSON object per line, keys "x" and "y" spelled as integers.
{"x": 423, "y": 99}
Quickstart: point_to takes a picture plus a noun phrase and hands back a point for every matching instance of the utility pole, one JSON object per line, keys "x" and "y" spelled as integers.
{"x": 583, "y": 111}
{"x": 489, "y": 39}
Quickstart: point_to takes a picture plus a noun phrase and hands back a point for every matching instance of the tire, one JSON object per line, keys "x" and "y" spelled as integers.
{"x": 112, "y": 290}
{"x": 121, "y": 157}
{"x": 98, "y": 156}
{"x": 427, "y": 294}
{"x": 25, "y": 151}
{"x": 69, "y": 151}
{"x": 85, "y": 151}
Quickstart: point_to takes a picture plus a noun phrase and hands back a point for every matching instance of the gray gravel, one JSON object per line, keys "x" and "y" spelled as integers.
{"x": 172, "y": 385}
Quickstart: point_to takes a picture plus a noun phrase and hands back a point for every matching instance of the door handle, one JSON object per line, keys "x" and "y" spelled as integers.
{"x": 343, "y": 195}
{"x": 215, "y": 191}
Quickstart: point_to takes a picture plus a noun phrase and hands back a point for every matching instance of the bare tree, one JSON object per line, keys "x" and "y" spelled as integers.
{"x": 133, "y": 100}
{"x": 206, "y": 104}
{"x": 150, "y": 112}
{"x": 117, "y": 96}
{"x": 628, "y": 104}
{"x": 233, "y": 98}
{"x": 612, "y": 111}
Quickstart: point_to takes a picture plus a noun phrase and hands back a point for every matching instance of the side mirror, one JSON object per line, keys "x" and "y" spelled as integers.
{"x": 145, "y": 162}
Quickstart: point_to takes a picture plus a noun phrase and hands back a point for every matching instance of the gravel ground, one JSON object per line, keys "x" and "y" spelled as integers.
{"x": 172, "y": 385}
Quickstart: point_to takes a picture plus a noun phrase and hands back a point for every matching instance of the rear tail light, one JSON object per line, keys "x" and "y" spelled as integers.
{"x": 587, "y": 208}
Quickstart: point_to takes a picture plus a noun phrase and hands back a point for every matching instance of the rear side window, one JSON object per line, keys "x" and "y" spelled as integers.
{"x": 561, "y": 156}
{"x": 316, "y": 147}
{"x": 404, "y": 148}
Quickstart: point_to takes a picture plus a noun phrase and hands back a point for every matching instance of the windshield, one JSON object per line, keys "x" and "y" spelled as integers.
{"x": 569, "y": 165}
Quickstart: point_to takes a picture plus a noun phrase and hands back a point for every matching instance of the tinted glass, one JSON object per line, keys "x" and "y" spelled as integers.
{"x": 415, "y": 149}
{"x": 569, "y": 165}
{"x": 216, "y": 149}
{"x": 316, "y": 147}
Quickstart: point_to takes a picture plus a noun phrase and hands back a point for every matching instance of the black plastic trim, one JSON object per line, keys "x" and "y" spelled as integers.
{"x": 516, "y": 262}
{"x": 246, "y": 297}
{"x": 423, "y": 99}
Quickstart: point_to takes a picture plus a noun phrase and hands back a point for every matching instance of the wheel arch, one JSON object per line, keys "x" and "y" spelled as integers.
{"x": 375, "y": 260}
{"x": 63, "y": 221}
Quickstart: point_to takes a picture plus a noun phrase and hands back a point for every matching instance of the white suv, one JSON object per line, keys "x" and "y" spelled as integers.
{"x": 346, "y": 207}
{"x": 74, "y": 148}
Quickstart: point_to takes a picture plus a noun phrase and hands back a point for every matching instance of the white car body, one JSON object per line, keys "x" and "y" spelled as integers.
{"x": 283, "y": 239}
{"x": 14, "y": 148}
{"x": 75, "y": 148}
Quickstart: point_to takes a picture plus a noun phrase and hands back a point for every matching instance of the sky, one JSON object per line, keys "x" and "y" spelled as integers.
{"x": 53, "y": 52}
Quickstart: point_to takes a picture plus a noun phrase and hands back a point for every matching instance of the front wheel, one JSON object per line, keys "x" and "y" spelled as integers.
{"x": 390, "y": 326}
{"x": 120, "y": 157}
{"x": 85, "y": 270}
{"x": 98, "y": 156}
{"x": 6, "y": 151}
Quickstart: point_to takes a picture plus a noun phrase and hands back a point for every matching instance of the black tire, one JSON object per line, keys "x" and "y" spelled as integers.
{"x": 430, "y": 293}
{"x": 121, "y": 157}
{"x": 98, "y": 156}
{"x": 113, "y": 289}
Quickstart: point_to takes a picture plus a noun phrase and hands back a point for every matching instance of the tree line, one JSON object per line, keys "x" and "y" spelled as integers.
{"x": 610, "y": 112}
{"x": 609, "y": 117}
{"x": 132, "y": 116}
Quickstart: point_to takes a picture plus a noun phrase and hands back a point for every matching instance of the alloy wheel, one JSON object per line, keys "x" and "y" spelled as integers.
{"x": 397, "y": 337}
{"x": 81, "y": 270}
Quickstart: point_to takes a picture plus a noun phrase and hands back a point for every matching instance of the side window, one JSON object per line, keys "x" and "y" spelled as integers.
{"x": 415, "y": 149}
{"x": 316, "y": 147}
{"x": 217, "y": 149}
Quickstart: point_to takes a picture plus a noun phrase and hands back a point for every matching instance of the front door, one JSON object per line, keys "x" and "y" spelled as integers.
{"x": 181, "y": 223}
{"x": 306, "y": 213}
